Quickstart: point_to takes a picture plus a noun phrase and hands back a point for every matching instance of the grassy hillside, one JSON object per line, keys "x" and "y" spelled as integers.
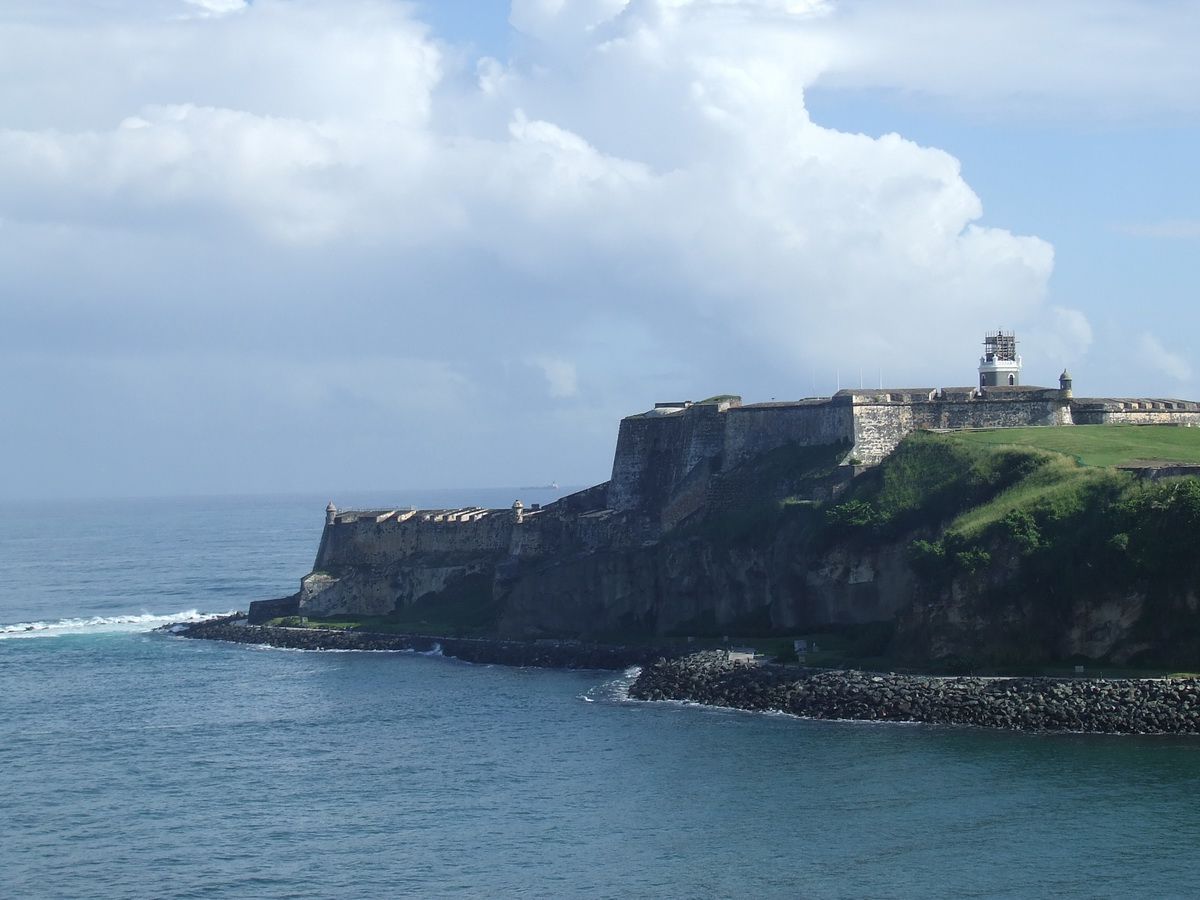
{"x": 1045, "y": 506}
{"x": 1022, "y": 550}
{"x": 1099, "y": 445}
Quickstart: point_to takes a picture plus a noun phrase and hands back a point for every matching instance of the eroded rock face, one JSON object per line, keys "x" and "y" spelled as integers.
{"x": 754, "y": 549}
{"x": 376, "y": 590}
{"x": 692, "y": 585}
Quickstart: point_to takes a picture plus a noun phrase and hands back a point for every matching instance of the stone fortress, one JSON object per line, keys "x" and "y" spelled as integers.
{"x": 672, "y": 462}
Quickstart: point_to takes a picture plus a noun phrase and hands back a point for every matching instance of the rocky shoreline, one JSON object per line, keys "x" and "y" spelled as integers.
{"x": 1109, "y": 706}
{"x": 1101, "y": 706}
{"x": 539, "y": 654}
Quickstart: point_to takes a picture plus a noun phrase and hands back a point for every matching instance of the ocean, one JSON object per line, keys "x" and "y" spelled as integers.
{"x": 136, "y": 764}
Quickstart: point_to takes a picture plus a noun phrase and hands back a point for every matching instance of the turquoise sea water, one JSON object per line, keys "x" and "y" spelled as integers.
{"x": 140, "y": 765}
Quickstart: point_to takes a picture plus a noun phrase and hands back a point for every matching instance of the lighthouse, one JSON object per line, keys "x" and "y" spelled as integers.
{"x": 999, "y": 366}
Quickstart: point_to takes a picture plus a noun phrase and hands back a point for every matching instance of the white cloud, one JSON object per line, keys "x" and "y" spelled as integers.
{"x": 1094, "y": 59}
{"x": 1059, "y": 339}
{"x": 561, "y": 378}
{"x": 1155, "y": 356}
{"x": 638, "y": 202}
{"x": 733, "y": 201}
{"x": 219, "y": 7}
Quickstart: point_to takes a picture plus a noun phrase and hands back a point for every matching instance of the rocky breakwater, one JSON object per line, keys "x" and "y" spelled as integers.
{"x": 1120, "y": 706}
{"x": 542, "y": 654}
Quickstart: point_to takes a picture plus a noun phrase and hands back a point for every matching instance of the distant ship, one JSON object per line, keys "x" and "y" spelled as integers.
{"x": 552, "y": 486}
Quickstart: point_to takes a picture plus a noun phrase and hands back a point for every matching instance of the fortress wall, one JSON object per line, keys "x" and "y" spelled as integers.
{"x": 751, "y": 431}
{"x": 656, "y": 452}
{"x": 526, "y": 539}
{"x": 370, "y": 543}
{"x": 1136, "y": 412}
{"x": 1151, "y": 417}
{"x": 881, "y": 423}
{"x": 986, "y": 413}
{"x": 879, "y": 427}
{"x": 592, "y": 498}
{"x": 689, "y": 496}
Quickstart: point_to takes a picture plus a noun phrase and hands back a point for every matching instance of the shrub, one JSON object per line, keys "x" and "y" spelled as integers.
{"x": 928, "y": 558}
{"x": 972, "y": 560}
{"x": 1022, "y": 530}
{"x": 853, "y": 514}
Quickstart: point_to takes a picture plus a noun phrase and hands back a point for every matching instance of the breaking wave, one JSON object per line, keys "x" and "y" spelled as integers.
{"x": 101, "y": 624}
{"x": 615, "y": 690}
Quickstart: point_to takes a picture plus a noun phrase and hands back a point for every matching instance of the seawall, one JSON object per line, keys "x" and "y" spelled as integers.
{"x": 1116, "y": 706}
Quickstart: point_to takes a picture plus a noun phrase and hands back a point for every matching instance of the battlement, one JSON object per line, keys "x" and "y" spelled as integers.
{"x": 662, "y": 451}
{"x": 676, "y": 462}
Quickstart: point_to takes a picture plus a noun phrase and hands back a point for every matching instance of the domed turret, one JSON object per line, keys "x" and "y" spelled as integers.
{"x": 330, "y": 513}
{"x": 518, "y": 511}
{"x": 1064, "y": 383}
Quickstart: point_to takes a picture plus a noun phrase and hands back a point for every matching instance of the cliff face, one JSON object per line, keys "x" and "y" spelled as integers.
{"x": 990, "y": 556}
{"x": 694, "y": 585}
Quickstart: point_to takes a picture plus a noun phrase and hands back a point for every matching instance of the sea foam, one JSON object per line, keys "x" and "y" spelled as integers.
{"x": 101, "y": 624}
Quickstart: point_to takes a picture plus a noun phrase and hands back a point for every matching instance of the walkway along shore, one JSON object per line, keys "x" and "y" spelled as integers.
{"x": 1108, "y": 706}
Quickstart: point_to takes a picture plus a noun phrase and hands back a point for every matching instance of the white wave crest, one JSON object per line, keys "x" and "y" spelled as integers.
{"x": 101, "y": 624}
{"x": 615, "y": 690}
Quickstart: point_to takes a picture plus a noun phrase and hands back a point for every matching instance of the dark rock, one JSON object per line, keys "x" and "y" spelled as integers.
{"x": 541, "y": 654}
{"x": 1031, "y": 704}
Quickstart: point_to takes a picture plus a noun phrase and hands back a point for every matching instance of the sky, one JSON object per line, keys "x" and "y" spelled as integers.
{"x": 334, "y": 245}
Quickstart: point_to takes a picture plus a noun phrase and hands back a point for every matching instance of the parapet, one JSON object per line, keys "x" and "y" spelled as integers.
{"x": 1134, "y": 404}
{"x": 964, "y": 394}
{"x": 708, "y": 406}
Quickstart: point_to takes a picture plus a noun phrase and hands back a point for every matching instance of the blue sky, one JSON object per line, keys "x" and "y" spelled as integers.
{"x": 313, "y": 245}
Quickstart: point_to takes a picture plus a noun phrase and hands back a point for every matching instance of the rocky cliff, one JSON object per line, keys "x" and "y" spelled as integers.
{"x": 976, "y": 556}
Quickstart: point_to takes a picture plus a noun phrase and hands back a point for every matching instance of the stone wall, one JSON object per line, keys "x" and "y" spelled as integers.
{"x": 883, "y": 418}
{"x": 365, "y": 541}
{"x": 662, "y": 452}
{"x": 751, "y": 431}
{"x": 656, "y": 451}
{"x": 1135, "y": 412}
{"x": 668, "y": 461}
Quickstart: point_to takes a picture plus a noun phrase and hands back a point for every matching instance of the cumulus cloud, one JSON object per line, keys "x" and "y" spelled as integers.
{"x": 562, "y": 380}
{"x": 637, "y": 203}
{"x": 1059, "y": 339}
{"x": 1090, "y": 59}
{"x": 1156, "y": 356}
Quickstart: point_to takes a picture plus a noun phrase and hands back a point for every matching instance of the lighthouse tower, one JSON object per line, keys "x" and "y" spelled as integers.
{"x": 999, "y": 366}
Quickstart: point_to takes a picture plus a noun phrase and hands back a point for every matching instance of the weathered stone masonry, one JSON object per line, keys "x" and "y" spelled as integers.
{"x": 668, "y": 462}
{"x": 659, "y": 452}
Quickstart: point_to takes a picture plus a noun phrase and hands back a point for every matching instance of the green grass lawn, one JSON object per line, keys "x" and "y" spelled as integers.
{"x": 1060, "y": 485}
{"x": 1100, "y": 445}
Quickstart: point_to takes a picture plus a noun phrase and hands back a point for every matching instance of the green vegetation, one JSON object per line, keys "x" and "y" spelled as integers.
{"x": 1025, "y": 526}
{"x": 1099, "y": 445}
{"x": 1056, "y": 487}
{"x": 1028, "y": 531}
{"x": 926, "y": 482}
{"x": 1034, "y": 535}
